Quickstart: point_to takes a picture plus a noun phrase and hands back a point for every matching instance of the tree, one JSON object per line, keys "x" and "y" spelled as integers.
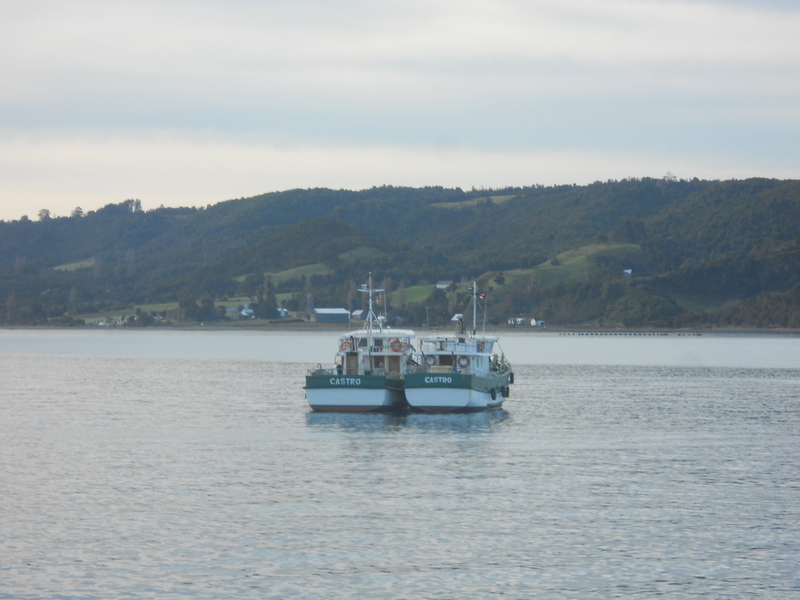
{"x": 265, "y": 309}
{"x": 352, "y": 294}
{"x": 73, "y": 297}
{"x": 629, "y": 229}
{"x": 130, "y": 258}
{"x": 387, "y": 289}
{"x": 11, "y": 307}
{"x": 44, "y": 214}
{"x": 187, "y": 308}
{"x": 133, "y": 205}
{"x": 77, "y": 213}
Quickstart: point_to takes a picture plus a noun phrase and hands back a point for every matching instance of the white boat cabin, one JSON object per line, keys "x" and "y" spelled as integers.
{"x": 375, "y": 352}
{"x": 462, "y": 354}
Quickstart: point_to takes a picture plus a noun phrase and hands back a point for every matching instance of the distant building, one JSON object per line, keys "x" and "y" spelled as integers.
{"x": 524, "y": 321}
{"x": 358, "y": 314}
{"x": 443, "y": 285}
{"x": 330, "y": 315}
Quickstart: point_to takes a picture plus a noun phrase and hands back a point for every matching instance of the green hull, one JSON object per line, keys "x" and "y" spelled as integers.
{"x": 359, "y": 382}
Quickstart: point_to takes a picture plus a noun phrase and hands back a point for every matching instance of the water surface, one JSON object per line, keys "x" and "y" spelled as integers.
{"x": 187, "y": 464}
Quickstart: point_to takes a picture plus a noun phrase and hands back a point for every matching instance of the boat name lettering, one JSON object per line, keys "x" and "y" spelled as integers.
{"x": 345, "y": 381}
{"x": 440, "y": 379}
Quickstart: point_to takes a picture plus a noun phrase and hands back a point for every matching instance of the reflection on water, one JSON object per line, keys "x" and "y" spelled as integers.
{"x": 126, "y": 474}
{"x": 470, "y": 423}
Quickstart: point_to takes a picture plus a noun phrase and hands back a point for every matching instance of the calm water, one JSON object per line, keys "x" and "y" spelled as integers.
{"x": 175, "y": 464}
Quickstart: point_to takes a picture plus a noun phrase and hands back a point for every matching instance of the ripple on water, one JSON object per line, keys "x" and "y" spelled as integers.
{"x": 210, "y": 478}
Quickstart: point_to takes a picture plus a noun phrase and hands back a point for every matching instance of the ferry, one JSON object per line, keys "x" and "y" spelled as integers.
{"x": 460, "y": 372}
{"x": 369, "y": 368}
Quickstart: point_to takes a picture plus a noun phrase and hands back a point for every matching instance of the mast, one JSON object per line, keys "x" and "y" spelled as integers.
{"x": 368, "y": 289}
{"x": 474, "y": 307}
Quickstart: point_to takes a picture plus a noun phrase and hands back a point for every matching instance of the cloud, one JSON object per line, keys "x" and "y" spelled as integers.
{"x": 716, "y": 81}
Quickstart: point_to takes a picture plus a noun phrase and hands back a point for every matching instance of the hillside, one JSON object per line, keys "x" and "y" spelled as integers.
{"x": 698, "y": 253}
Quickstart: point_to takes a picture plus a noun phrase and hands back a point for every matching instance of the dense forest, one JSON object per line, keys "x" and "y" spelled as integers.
{"x": 633, "y": 253}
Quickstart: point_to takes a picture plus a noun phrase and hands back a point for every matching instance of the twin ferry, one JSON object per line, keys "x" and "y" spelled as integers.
{"x": 378, "y": 368}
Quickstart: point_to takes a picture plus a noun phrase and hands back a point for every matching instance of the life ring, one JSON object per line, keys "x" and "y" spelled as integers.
{"x": 463, "y": 361}
{"x": 396, "y": 345}
{"x": 431, "y": 360}
{"x": 345, "y": 345}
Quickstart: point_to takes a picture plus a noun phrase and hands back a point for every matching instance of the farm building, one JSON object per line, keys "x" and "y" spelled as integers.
{"x": 330, "y": 315}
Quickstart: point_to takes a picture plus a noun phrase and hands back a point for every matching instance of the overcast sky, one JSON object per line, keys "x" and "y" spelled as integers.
{"x": 188, "y": 103}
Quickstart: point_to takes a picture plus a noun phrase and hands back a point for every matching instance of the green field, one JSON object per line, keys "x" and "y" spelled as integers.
{"x": 413, "y": 294}
{"x": 572, "y": 265}
{"x": 307, "y": 270}
{"x": 84, "y": 264}
{"x": 473, "y": 202}
{"x": 361, "y": 253}
{"x": 296, "y": 273}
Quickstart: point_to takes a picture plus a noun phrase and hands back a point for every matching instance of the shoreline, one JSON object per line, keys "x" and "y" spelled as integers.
{"x": 305, "y": 328}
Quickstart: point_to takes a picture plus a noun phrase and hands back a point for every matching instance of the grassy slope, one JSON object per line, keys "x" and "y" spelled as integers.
{"x": 414, "y": 294}
{"x": 472, "y": 202}
{"x": 84, "y": 264}
{"x": 572, "y": 265}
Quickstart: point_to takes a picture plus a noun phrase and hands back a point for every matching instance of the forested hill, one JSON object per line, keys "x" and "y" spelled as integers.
{"x": 637, "y": 252}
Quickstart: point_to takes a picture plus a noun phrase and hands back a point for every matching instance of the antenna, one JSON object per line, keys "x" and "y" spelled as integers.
{"x": 371, "y": 318}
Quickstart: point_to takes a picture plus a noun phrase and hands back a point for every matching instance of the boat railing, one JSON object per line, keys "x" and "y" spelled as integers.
{"x": 318, "y": 370}
{"x": 423, "y": 368}
{"x": 500, "y": 368}
{"x": 386, "y": 349}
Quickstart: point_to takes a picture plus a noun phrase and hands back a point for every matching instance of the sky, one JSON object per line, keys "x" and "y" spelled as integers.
{"x": 190, "y": 103}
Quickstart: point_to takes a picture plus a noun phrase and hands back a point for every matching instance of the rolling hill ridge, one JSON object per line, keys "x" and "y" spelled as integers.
{"x": 635, "y": 253}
